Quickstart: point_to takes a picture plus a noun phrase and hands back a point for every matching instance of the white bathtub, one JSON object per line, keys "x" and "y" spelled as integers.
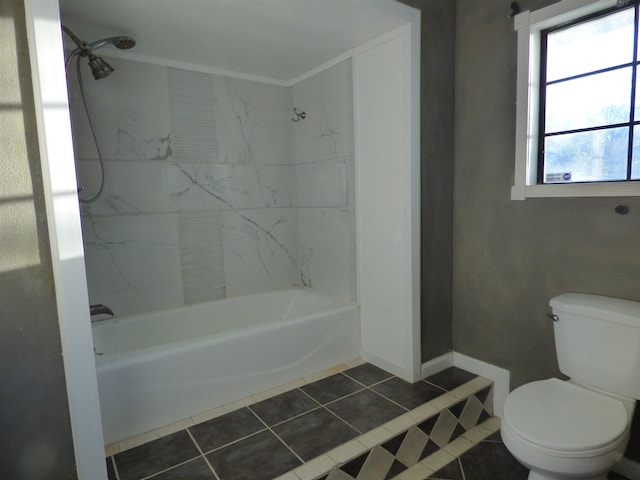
{"x": 161, "y": 367}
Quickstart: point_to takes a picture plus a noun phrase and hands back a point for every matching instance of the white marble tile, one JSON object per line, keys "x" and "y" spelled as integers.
{"x": 322, "y": 184}
{"x": 130, "y": 187}
{"x": 252, "y": 123}
{"x": 325, "y": 250}
{"x": 326, "y": 131}
{"x": 197, "y": 186}
{"x": 133, "y": 262}
{"x": 259, "y": 250}
{"x": 130, "y": 111}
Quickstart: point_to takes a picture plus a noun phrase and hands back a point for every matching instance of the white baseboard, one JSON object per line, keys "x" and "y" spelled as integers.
{"x": 397, "y": 370}
{"x": 499, "y": 376}
{"x": 437, "y": 364}
{"x": 628, "y": 468}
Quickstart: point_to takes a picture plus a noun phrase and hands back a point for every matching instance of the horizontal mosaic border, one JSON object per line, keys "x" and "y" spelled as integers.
{"x": 402, "y": 446}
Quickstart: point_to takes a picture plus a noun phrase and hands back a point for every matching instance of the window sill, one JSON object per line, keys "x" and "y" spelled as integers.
{"x": 613, "y": 189}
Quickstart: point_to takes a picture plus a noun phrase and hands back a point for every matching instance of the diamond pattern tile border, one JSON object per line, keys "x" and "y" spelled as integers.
{"x": 425, "y": 436}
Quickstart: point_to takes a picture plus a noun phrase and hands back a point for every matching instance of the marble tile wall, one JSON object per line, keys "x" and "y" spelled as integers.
{"x": 325, "y": 181}
{"x": 203, "y": 199}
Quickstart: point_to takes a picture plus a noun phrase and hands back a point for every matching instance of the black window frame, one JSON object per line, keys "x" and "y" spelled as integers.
{"x": 634, "y": 64}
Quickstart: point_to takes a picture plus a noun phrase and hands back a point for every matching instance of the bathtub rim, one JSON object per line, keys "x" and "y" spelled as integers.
{"x": 109, "y": 361}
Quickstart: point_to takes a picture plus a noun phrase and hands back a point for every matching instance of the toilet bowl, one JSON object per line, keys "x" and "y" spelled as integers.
{"x": 579, "y": 428}
{"x": 560, "y": 430}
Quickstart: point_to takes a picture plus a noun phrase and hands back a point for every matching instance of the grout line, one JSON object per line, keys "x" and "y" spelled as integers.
{"x": 343, "y": 397}
{"x": 464, "y": 477}
{"x": 278, "y": 436}
{"x": 407, "y": 410}
{"x": 305, "y": 393}
{"x": 172, "y": 467}
{"x": 115, "y": 467}
{"x": 284, "y": 421}
{"x": 302, "y": 462}
{"x": 204, "y": 457}
{"x": 364, "y": 385}
{"x": 233, "y": 442}
{"x": 441, "y": 388}
{"x": 344, "y": 421}
{"x": 237, "y": 439}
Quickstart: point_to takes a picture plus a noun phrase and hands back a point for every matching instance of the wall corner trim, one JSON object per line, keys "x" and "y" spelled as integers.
{"x": 499, "y": 376}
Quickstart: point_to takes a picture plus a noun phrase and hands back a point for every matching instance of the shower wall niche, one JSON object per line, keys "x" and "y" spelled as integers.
{"x": 212, "y": 190}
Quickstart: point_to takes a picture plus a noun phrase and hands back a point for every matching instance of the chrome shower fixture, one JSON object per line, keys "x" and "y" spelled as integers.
{"x": 99, "y": 66}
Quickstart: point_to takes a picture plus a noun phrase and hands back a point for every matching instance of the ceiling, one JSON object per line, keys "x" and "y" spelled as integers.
{"x": 277, "y": 40}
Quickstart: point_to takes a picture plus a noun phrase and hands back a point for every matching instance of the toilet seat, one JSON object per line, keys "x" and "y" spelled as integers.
{"x": 564, "y": 419}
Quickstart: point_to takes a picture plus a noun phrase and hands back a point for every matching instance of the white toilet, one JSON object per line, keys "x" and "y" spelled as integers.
{"x": 579, "y": 428}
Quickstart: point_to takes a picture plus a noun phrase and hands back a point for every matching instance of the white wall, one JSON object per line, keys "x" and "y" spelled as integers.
{"x": 387, "y": 168}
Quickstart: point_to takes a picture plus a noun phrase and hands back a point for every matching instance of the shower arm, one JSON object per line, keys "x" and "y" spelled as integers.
{"x": 83, "y": 48}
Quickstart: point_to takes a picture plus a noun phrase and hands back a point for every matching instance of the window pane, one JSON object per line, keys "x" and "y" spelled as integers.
{"x": 590, "y": 46}
{"x": 635, "y": 164}
{"x": 636, "y": 115}
{"x": 596, "y": 100}
{"x": 599, "y": 155}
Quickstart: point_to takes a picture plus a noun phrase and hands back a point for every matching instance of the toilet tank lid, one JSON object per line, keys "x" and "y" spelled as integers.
{"x": 607, "y": 308}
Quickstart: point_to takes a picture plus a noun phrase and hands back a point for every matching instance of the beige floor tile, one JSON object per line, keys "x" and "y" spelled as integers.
{"x": 400, "y": 424}
{"x": 417, "y": 472}
{"x": 477, "y": 434}
{"x": 316, "y": 467}
{"x": 443, "y": 401}
{"x": 288, "y": 476}
{"x": 437, "y": 460}
{"x": 377, "y": 465}
{"x": 459, "y": 446}
{"x": 208, "y": 415}
{"x": 493, "y": 424}
{"x": 423, "y": 412}
{"x": 347, "y": 451}
{"x": 375, "y": 437}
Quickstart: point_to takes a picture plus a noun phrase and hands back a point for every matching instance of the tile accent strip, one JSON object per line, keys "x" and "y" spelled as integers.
{"x": 425, "y": 433}
{"x": 201, "y": 258}
{"x": 191, "y": 105}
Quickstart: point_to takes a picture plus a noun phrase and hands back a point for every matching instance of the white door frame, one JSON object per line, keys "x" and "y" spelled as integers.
{"x": 63, "y": 218}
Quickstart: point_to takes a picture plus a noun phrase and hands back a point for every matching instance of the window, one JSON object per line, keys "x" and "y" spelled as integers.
{"x": 578, "y": 119}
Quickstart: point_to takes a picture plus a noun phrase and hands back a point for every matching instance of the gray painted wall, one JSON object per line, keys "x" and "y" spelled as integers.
{"x": 437, "y": 87}
{"x": 511, "y": 257}
{"x": 36, "y": 441}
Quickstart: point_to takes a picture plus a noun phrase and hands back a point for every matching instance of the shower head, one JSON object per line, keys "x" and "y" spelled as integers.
{"x": 123, "y": 43}
{"x": 99, "y": 67}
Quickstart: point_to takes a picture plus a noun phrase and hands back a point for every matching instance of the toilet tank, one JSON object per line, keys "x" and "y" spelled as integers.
{"x": 598, "y": 341}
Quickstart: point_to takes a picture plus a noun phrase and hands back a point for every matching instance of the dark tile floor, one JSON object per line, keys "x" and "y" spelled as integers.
{"x": 489, "y": 460}
{"x": 271, "y": 437}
